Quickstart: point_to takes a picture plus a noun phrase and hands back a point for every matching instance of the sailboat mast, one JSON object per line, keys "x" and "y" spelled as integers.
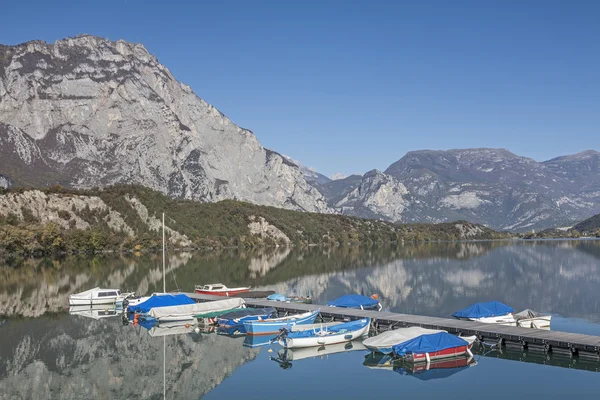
{"x": 164, "y": 275}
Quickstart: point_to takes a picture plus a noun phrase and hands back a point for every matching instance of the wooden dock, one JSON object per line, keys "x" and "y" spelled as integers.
{"x": 559, "y": 343}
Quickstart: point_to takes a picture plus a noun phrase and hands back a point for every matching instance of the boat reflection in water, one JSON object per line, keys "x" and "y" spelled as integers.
{"x": 437, "y": 369}
{"x": 96, "y": 311}
{"x": 286, "y": 356}
{"x": 254, "y": 341}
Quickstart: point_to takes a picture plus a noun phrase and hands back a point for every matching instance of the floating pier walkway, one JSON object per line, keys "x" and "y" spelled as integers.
{"x": 559, "y": 343}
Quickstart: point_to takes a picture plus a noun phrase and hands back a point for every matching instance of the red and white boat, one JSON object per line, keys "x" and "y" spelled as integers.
{"x": 446, "y": 353}
{"x": 218, "y": 289}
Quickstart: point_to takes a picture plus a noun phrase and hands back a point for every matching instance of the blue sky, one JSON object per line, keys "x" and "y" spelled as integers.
{"x": 348, "y": 86}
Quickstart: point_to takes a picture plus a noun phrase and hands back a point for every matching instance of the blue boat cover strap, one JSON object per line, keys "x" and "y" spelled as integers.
{"x": 163, "y": 300}
{"x": 429, "y": 344}
{"x": 484, "y": 310}
{"x": 354, "y": 301}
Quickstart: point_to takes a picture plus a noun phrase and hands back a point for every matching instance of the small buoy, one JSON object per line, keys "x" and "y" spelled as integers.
{"x": 270, "y": 351}
{"x": 187, "y": 325}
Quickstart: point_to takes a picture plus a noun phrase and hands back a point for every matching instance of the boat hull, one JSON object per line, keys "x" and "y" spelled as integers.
{"x": 324, "y": 340}
{"x": 535, "y": 323}
{"x": 273, "y": 326}
{"x": 508, "y": 320}
{"x": 74, "y": 301}
{"x": 225, "y": 292}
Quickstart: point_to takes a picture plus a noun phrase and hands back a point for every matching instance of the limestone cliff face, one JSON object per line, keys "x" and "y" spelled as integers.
{"x": 87, "y": 111}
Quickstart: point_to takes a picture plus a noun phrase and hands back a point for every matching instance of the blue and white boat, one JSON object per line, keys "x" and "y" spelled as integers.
{"x": 492, "y": 312}
{"x": 357, "y": 301}
{"x": 162, "y": 300}
{"x": 236, "y": 319}
{"x": 339, "y": 333}
{"x": 435, "y": 346}
{"x": 273, "y": 325}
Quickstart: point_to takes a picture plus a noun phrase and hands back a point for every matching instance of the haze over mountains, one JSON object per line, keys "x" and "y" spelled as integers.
{"x": 87, "y": 112}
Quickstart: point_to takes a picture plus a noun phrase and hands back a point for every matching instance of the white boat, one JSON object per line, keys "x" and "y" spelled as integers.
{"x": 188, "y": 311}
{"x": 384, "y": 342}
{"x": 492, "y": 312}
{"x": 97, "y": 296}
{"x": 340, "y": 333}
{"x": 533, "y": 319}
{"x": 98, "y": 311}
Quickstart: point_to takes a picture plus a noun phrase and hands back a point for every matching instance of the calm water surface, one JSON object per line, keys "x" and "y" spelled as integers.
{"x": 45, "y": 353}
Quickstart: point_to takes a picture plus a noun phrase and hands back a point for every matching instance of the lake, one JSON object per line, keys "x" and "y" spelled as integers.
{"x": 45, "y": 353}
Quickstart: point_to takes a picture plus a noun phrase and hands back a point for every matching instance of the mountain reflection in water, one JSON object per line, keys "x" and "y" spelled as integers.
{"x": 91, "y": 354}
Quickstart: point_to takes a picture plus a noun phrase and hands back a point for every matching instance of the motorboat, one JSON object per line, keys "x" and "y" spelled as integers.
{"x": 290, "y": 299}
{"x": 384, "y": 342}
{"x": 218, "y": 289}
{"x": 435, "y": 346}
{"x": 339, "y": 333}
{"x": 492, "y": 312}
{"x": 356, "y": 301}
{"x": 533, "y": 319}
{"x": 271, "y": 326}
{"x": 97, "y": 296}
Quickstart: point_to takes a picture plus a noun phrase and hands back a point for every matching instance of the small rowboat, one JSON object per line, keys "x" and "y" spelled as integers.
{"x": 218, "y": 289}
{"x": 339, "y": 333}
{"x": 97, "y": 296}
{"x": 189, "y": 311}
{"x": 272, "y": 326}
{"x": 357, "y": 301}
{"x": 434, "y": 346}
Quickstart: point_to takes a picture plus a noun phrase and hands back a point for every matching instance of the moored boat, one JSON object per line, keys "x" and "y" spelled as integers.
{"x": 291, "y": 299}
{"x": 356, "y": 301}
{"x": 384, "y": 342}
{"x": 156, "y": 301}
{"x": 338, "y": 333}
{"x": 188, "y": 311}
{"x": 425, "y": 348}
{"x": 273, "y": 325}
{"x": 533, "y": 319}
{"x": 236, "y": 319}
{"x": 492, "y": 312}
{"x": 97, "y": 296}
{"x": 218, "y": 289}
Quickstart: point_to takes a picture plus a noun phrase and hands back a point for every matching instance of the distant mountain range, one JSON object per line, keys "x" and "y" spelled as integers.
{"x": 86, "y": 112}
{"x": 489, "y": 186}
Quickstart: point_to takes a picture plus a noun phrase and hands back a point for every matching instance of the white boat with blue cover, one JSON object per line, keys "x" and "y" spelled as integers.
{"x": 492, "y": 312}
{"x": 384, "y": 342}
{"x": 340, "y": 333}
{"x": 272, "y": 326}
{"x": 356, "y": 301}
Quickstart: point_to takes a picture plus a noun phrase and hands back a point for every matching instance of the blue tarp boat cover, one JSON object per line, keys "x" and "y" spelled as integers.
{"x": 354, "y": 301}
{"x": 277, "y": 297}
{"x": 429, "y": 344}
{"x": 484, "y": 310}
{"x": 341, "y": 328}
{"x": 162, "y": 300}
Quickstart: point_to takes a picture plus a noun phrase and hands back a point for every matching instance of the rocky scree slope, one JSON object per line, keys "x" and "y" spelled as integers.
{"x": 87, "y": 112}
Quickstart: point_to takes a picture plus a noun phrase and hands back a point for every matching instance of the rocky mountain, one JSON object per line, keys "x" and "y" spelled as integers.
{"x": 489, "y": 186}
{"x": 86, "y": 112}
